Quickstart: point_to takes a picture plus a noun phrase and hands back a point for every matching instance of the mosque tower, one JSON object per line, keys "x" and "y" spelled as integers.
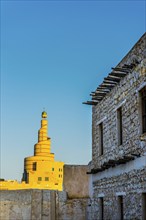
{"x": 41, "y": 169}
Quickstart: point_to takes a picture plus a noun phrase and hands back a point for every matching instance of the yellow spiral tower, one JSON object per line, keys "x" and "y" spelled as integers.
{"x": 41, "y": 170}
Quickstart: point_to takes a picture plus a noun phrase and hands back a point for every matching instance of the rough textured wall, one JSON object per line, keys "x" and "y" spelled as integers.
{"x": 40, "y": 205}
{"x": 128, "y": 179}
{"x": 76, "y": 181}
{"x": 127, "y": 92}
{"x": 131, "y": 185}
{"x": 72, "y": 209}
{"x": 15, "y": 205}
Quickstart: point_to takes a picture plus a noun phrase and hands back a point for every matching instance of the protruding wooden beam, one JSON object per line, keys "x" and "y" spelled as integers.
{"x": 102, "y": 93}
{"x": 106, "y": 86}
{"x": 119, "y": 74}
{"x": 129, "y": 158}
{"x": 136, "y": 155}
{"x": 89, "y": 172}
{"x": 90, "y": 103}
{"x": 110, "y": 82}
{"x": 94, "y": 171}
{"x": 114, "y": 78}
{"x": 128, "y": 66}
{"x": 120, "y": 69}
{"x": 98, "y": 96}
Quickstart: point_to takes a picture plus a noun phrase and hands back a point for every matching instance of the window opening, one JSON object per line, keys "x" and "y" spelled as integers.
{"x": 101, "y": 139}
{"x": 143, "y": 106}
{"x": 120, "y": 204}
{"x": 101, "y": 208}
{"x": 39, "y": 178}
{"x": 34, "y": 166}
{"x": 119, "y": 126}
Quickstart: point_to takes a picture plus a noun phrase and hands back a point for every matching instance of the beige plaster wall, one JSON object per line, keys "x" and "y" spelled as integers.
{"x": 76, "y": 181}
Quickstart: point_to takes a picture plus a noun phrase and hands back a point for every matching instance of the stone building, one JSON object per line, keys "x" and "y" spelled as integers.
{"x": 118, "y": 167}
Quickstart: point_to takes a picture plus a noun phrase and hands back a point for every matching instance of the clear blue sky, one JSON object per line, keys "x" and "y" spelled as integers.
{"x": 53, "y": 54}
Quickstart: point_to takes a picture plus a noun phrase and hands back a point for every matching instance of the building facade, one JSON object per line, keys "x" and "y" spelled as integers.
{"x": 41, "y": 171}
{"x": 118, "y": 167}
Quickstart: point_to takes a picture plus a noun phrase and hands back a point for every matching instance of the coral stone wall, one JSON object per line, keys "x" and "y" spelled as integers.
{"x": 130, "y": 185}
{"x": 120, "y": 189}
{"x": 126, "y": 94}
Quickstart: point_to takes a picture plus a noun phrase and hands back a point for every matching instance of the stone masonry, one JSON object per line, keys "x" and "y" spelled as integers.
{"x": 40, "y": 205}
{"x": 118, "y": 175}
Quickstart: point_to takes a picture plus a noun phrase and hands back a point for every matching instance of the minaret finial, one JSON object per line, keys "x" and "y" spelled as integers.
{"x": 44, "y": 114}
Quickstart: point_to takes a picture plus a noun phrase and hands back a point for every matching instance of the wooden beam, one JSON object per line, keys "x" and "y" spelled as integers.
{"x": 136, "y": 155}
{"x": 90, "y": 103}
{"x": 105, "y": 89}
{"x": 128, "y": 66}
{"x": 129, "y": 158}
{"x": 106, "y": 166}
{"x": 101, "y": 92}
{"x": 96, "y": 170}
{"x": 107, "y": 84}
{"x": 121, "y": 69}
{"x": 89, "y": 172}
{"x": 121, "y": 161}
{"x": 119, "y": 74}
{"x": 98, "y": 93}
{"x": 110, "y": 82}
{"x": 96, "y": 98}
{"x": 109, "y": 164}
{"x": 114, "y": 78}
{"x": 92, "y": 93}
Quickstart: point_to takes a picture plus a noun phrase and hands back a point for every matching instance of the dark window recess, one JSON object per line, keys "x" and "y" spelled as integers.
{"x": 27, "y": 178}
{"x": 101, "y": 208}
{"x": 34, "y": 166}
{"x": 52, "y": 169}
{"x": 143, "y": 102}
{"x": 143, "y": 206}
{"x": 120, "y": 200}
{"x": 119, "y": 126}
{"x": 101, "y": 138}
{"x": 39, "y": 178}
{"x": 46, "y": 178}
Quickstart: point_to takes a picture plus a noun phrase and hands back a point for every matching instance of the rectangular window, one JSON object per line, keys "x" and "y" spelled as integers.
{"x": 34, "y": 166}
{"x": 101, "y": 139}
{"x": 46, "y": 178}
{"x": 143, "y": 206}
{"x": 27, "y": 178}
{"x": 101, "y": 208}
{"x": 143, "y": 108}
{"x": 119, "y": 126}
{"x": 52, "y": 169}
{"x": 39, "y": 178}
{"x": 120, "y": 207}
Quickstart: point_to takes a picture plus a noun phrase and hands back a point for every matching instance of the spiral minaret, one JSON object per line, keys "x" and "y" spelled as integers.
{"x": 41, "y": 168}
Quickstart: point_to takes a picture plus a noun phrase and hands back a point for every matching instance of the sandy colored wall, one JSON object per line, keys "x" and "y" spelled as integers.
{"x": 76, "y": 181}
{"x": 40, "y": 205}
